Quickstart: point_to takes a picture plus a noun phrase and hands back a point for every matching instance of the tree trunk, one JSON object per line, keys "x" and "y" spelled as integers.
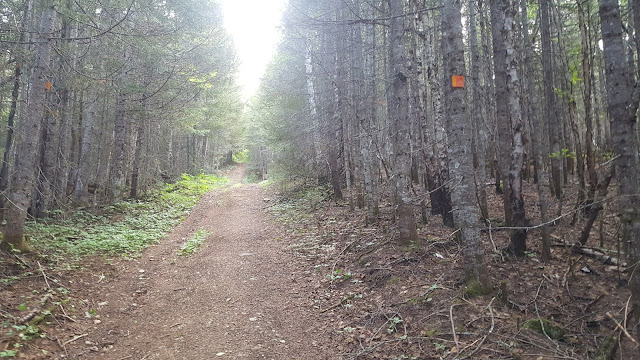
{"x": 439, "y": 181}
{"x": 362, "y": 150}
{"x": 137, "y": 158}
{"x": 4, "y": 171}
{"x": 542, "y": 183}
{"x": 587, "y": 74}
{"x": 498, "y": 8}
{"x": 331, "y": 121}
{"x": 465, "y": 210}
{"x": 555, "y": 127}
{"x": 476, "y": 114}
{"x": 399, "y": 116}
{"x": 80, "y": 194}
{"x": 370, "y": 120}
{"x": 27, "y": 135}
{"x": 509, "y": 119}
{"x": 623, "y": 104}
{"x": 15, "y": 96}
{"x": 117, "y": 178}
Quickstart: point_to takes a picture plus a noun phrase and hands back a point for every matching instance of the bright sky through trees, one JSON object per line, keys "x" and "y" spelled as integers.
{"x": 254, "y": 27}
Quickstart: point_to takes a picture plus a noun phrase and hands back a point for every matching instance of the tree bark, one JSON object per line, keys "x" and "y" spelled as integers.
{"x": 399, "y": 112}
{"x": 555, "y": 127}
{"x": 623, "y": 104}
{"x": 27, "y": 135}
{"x": 542, "y": 183}
{"x": 438, "y": 177}
{"x": 509, "y": 119}
{"x": 370, "y": 120}
{"x": 498, "y": 8}
{"x": 15, "y": 96}
{"x": 465, "y": 209}
{"x": 80, "y": 195}
{"x": 587, "y": 74}
{"x": 476, "y": 114}
{"x": 117, "y": 176}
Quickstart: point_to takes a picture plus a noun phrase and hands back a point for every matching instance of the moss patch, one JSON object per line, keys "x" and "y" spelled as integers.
{"x": 544, "y": 326}
{"x": 475, "y": 288}
{"x": 608, "y": 348}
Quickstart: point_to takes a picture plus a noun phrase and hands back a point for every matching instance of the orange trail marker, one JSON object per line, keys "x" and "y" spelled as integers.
{"x": 457, "y": 81}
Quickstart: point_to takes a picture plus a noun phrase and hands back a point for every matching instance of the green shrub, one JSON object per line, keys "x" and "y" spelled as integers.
{"x": 124, "y": 228}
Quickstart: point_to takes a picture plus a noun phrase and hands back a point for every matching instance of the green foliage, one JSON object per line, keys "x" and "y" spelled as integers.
{"x": 545, "y": 327}
{"x": 338, "y": 274}
{"x": 475, "y": 288}
{"x": 393, "y": 324}
{"x": 280, "y": 128}
{"x": 606, "y": 348}
{"x": 575, "y": 78}
{"x": 564, "y": 153}
{"x": 8, "y": 353}
{"x": 241, "y": 156}
{"x": 125, "y": 228}
{"x": 193, "y": 244}
{"x": 27, "y": 332}
{"x": 606, "y": 156}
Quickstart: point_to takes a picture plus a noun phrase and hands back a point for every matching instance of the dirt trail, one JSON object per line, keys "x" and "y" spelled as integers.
{"x": 237, "y": 297}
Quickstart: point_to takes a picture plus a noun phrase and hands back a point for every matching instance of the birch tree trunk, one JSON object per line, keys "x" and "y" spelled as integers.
{"x": 435, "y": 133}
{"x": 509, "y": 119}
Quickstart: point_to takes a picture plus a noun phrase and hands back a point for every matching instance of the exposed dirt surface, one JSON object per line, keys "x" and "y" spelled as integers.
{"x": 239, "y": 296}
{"x": 303, "y": 277}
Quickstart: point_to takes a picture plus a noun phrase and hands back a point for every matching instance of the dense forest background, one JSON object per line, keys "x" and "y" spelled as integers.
{"x": 103, "y": 100}
{"x": 432, "y": 104}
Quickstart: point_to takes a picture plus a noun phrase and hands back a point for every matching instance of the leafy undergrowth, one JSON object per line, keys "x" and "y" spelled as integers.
{"x": 36, "y": 289}
{"x": 193, "y": 244}
{"x": 383, "y": 302}
{"x": 125, "y": 228}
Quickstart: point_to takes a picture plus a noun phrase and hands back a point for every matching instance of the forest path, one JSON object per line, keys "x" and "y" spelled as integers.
{"x": 237, "y": 297}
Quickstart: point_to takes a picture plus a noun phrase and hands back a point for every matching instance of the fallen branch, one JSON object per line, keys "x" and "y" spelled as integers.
{"x": 344, "y": 300}
{"x": 596, "y": 253}
{"x": 25, "y": 319}
{"x": 453, "y": 328}
{"x": 43, "y": 275}
{"x": 75, "y": 338}
{"x": 623, "y": 329}
{"x": 485, "y": 337}
{"x": 599, "y": 255}
{"x": 22, "y": 261}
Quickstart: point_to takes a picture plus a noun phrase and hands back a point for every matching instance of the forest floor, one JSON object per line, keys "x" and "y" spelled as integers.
{"x": 302, "y": 277}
